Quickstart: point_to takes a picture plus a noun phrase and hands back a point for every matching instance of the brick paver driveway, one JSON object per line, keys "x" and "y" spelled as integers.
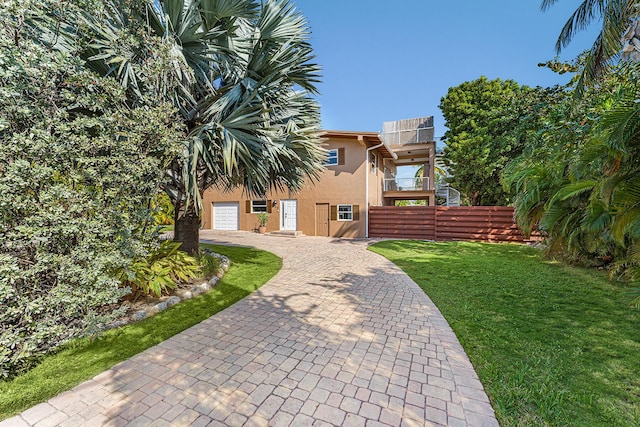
{"x": 339, "y": 337}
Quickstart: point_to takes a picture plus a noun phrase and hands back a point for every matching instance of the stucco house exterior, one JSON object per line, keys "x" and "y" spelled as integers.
{"x": 360, "y": 171}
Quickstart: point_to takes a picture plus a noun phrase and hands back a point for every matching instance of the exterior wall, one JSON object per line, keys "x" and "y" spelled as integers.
{"x": 339, "y": 184}
{"x": 376, "y": 180}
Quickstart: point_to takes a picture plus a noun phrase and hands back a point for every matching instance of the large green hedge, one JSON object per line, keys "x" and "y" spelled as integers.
{"x": 77, "y": 171}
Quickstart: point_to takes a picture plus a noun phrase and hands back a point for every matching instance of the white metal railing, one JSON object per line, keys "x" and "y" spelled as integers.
{"x": 406, "y": 184}
{"x": 450, "y": 195}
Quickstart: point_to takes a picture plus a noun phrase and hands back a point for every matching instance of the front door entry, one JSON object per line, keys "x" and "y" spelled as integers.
{"x": 288, "y": 215}
{"x": 322, "y": 219}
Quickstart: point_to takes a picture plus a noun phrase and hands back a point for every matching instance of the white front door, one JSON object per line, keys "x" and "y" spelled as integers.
{"x": 288, "y": 215}
{"x": 225, "y": 216}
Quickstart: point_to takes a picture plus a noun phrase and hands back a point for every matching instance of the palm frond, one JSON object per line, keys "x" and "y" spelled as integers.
{"x": 239, "y": 72}
{"x": 574, "y": 189}
{"x": 597, "y": 217}
{"x": 579, "y": 20}
{"x": 616, "y": 16}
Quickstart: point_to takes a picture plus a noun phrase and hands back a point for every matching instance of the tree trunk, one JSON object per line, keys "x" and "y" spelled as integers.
{"x": 187, "y": 230}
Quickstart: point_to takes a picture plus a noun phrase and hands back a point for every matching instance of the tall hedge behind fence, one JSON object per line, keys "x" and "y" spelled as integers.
{"x": 486, "y": 223}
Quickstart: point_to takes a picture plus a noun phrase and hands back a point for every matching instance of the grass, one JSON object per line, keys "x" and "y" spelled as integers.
{"x": 83, "y": 359}
{"x": 553, "y": 345}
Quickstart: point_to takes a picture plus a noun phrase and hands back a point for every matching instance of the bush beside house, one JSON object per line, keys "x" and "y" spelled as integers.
{"x": 78, "y": 168}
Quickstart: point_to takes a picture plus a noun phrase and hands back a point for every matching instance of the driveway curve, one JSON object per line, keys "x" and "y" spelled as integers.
{"x": 340, "y": 336}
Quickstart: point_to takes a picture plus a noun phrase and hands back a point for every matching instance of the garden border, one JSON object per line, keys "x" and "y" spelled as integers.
{"x": 194, "y": 291}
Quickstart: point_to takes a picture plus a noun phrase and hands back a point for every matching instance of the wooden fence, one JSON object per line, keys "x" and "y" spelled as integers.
{"x": 486, "y": 223}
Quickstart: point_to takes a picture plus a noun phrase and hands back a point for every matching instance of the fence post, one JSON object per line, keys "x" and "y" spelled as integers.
{"x": 489, "y": 236}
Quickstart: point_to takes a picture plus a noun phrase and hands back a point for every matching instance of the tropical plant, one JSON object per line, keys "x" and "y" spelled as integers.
{"x": 239, "y": 73}
{"x": 263, "y": 218}
{"x": 209, "y": 264}
{"x": 580, "y": 184}
{"x": 440, "y": 175}
{"x": 581, "y": 187}
{"x": 619, "y": 25}
{"x": 549, "y": 164}
{"x": 160, "y": 271}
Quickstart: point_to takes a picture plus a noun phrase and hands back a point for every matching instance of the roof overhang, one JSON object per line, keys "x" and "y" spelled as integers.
{"x": 370, "y": 139}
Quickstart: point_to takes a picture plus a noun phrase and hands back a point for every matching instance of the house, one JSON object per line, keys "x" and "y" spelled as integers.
{"x": 361, "y": 171}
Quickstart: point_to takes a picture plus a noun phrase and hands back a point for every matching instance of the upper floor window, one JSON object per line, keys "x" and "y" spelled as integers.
{"x": 373, "y": 162}
{"x": 332, "y": 158}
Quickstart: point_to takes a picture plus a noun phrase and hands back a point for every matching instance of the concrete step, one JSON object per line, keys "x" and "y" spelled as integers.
{"x": 286, "y": 233}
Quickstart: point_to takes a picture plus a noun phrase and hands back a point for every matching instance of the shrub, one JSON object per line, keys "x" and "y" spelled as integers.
{"x": 263, "y": 218}
{"x": 78, "y": 168}
{"x": 209, "y": 264}
{"x": 163, "y": 209}
{"x": 160, "y": 271}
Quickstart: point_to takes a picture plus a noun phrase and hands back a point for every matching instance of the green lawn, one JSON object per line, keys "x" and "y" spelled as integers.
{"x": 84, "y": 359}
{"x": 553, "y": 345}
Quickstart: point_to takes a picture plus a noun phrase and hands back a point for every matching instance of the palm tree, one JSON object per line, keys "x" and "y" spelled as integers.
{"x": 619, "y": 24}
{"x": 239, "y": 74}
{"x": 619, "y": 188}
{"x": 585, "y": 193}
{"x": 440, "y": 175}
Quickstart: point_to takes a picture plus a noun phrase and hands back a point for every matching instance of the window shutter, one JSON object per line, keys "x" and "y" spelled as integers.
{"x": 341, "y": 156}
{"x": 269, "y": 205}
{"x": 356, "y": 212}
{"x": 248, "y": 205}
{"x": 334, "y": 212}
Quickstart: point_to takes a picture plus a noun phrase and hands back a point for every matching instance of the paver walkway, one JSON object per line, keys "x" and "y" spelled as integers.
{"x": 340, "y": 336}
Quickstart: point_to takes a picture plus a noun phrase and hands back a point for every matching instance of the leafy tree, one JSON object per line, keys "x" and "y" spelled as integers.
{"x": 78, "y": 168}
{"x": 483, "y": 119}
{"x": 240, "y": 76}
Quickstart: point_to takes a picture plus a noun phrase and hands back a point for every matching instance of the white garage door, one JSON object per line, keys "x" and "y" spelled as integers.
{"x": 225, "y": 216}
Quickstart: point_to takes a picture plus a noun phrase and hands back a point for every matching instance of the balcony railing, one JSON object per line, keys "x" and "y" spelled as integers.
{"x": 408, "y": 131}
{"x": 407, "y": 184}
{"x": 405, "y": 137}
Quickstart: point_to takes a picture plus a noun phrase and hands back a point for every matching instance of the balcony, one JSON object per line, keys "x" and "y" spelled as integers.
{"x": 407, "y": 184}
{"x": 400, "y": 138}
{"x": 408, "y": 132}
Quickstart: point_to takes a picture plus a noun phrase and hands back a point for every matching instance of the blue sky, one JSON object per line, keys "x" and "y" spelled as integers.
{"x": 385, "y": 60}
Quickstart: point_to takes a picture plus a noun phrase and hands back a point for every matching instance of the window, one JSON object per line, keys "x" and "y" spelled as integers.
{"x": 332, "y": 158}
{"x": 373, "y": 162}
{"x": 258, "y": 206}
{"x": 345, "y": 212}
